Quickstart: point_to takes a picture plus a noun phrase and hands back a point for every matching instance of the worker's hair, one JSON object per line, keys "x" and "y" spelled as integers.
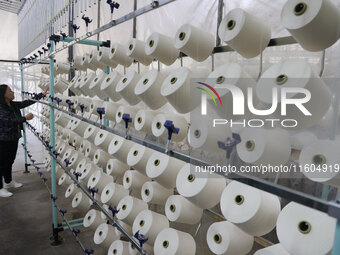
{"x": 3, "y": 88}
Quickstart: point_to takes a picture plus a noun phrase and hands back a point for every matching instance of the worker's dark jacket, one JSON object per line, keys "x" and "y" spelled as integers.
{"x": 11, "y": 121}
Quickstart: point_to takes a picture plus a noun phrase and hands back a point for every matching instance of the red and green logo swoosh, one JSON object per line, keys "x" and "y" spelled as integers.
{"x": 209, "y": 93}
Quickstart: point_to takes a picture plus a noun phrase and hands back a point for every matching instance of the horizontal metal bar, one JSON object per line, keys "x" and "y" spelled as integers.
{"x": 41, "y": 62}
{"x": 36, "y": 62}
{"x": 73, "y": 226}
{"x": 9, "y": 61}
{"x": 331, "y": 208}
{"x": 282, "y": 41}
{"x": 75, "y": 220}
{"x": 86, "y": 42}
{"x": 37, "y": 164}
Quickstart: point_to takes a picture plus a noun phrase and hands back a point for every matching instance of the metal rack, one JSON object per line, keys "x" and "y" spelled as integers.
{"x": 331, "y": 208}
{"x": 153, "y": 6}
{"x": 82, "y": 40}
{"x": 209, "y": 212}
{"x": 70, "y": 224}
{"x": 95, "y": 202}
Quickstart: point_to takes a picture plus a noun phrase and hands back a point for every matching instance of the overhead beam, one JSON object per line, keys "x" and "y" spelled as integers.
{"x": 7, "y": 10}
{"x": 9, "y": 61}
{"x": 10, "y": 4}
{"x": 9, "y": 7}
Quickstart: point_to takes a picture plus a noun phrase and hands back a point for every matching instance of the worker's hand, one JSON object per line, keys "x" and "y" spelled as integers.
{"x": 29, "y": 116}
{"x": 46, "y": 91}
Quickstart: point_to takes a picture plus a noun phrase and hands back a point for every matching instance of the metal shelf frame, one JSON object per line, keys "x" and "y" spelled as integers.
{"x": 331, "y": 208}
{"x": 70, "y": 224}
{"x": 152, "y": 6}
{"x": 95, "y": 202}
{"x": 54, "y": 160}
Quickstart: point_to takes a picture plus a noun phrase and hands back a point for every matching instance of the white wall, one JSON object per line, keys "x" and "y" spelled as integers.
{"x": 9, "y": 36}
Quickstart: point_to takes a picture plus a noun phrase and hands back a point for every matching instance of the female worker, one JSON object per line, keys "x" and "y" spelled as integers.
{"x": 11, "y": 124}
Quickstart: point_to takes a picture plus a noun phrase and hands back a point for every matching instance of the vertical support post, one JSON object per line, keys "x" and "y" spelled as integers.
{"x": 325, "y": 191}
{"x": 333, "y": 126}
{"x": 23, "y": 114}
{"x": 336, "y": 245}
{"x": 107, "y": 71}
{"x": 55, "y": 238}
{"x": 134, "y": 24}
{"x": 98, "y": 20}
{"x": 219, "y": 20}
{"x": 70, "y": 49}
{"x": 106, "y": 121}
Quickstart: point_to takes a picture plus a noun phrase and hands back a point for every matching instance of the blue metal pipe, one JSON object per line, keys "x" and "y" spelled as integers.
{"x": 73, "y": 226}
{"x": 106, "y": 121}
{"x": 73, "y": 221}
{"x": 37, "y": 164}
{"x": 52, "y": 140}
{"x": 336, "y": 245}
{"x": 40, "y": 61}
{"x": 23, "y": 110}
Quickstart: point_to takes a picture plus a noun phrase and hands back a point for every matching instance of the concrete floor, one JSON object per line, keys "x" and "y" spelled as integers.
{"x": 26, "y": 222}
{"x": 26, "y": 217}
